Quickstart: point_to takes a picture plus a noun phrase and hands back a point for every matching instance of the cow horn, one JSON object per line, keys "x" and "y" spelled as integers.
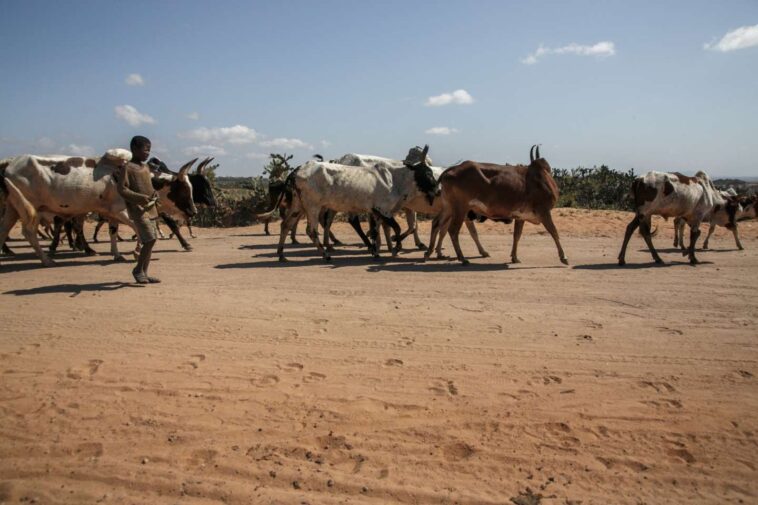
{"x": 185, "y": 169}
{"x": 202, "y": 165}
{"x": 425, "y": 151}
{"x": 538, "y": 151}
{"x": 531, "y": 154}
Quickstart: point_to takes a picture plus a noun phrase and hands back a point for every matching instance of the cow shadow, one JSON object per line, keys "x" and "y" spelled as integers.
{"x": 452, "y": 266}
{"x": 72, "y": 289}
{"x": 33, "y": 263}
{"x": 637, "y": 266}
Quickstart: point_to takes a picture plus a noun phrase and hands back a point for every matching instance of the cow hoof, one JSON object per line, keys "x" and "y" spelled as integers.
{"x": 188, "y": 248}
{"x": 659, "y": 261}
{"x": 485, "y": 254}
{"x": 119, "y": 259}
{"x": 464, "y": 262}
{"x": 327, "y": 257}
{"x": 90, "y": 252}
{"x": 515, "y": 260}
{"x": 49, "y": 263}
{"x": 295, "y": 241}
{"x": 282, "y": 259}
{"x": 740, "y": 248}
{"x": 565, "y": 261}
{"x": 421, "y": 246}
{"x": 705, "y": 247}
{"x": 622, "y": 263}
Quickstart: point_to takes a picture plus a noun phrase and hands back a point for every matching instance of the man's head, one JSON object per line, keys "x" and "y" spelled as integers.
{"x": 140, "y": 147}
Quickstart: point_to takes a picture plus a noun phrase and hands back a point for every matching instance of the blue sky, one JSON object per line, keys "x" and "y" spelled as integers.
{"x": 646, "y": 85}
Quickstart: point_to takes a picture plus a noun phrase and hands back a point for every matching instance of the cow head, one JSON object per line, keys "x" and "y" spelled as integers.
{"x": 180, "y": 190}
{"x": 418, "y": 161}
{"x": 538, "y": 161}
{"x": 202, "y": 191}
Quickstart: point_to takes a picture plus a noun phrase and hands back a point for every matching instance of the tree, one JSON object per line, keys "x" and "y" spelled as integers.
{"x": 278, "y": 168}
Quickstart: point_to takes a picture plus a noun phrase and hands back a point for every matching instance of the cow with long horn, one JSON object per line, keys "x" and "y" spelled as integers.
{"x": 500, "y": 192}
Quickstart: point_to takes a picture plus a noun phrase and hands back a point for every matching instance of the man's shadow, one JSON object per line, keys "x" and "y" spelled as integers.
{"x": 72, "y": 289}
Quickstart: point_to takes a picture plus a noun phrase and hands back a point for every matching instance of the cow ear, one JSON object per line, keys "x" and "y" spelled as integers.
{"x": 182, "y": 175}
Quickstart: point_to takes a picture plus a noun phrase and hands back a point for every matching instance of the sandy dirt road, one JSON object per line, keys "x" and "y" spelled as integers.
{"x": 241, "y": 381}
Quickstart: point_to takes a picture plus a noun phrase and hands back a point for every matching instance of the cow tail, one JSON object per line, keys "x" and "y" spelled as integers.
{"x": 289, "y": 183}
{"x": 26, "y": 211}
{"x": 270, "y": 213}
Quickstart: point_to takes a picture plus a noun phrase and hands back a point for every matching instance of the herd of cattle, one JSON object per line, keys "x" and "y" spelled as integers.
{"x": 57, "y": 191}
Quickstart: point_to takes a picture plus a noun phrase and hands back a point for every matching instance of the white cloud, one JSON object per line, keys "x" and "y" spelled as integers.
{"x": 601, "y": 50}
{"x": 134, "y": 80}
{"x": 194, "y": 116}
{"x": 77, "y": 150}
{"x": 237, "y": 134}
{"x": 132, "y": 115}
{"x": 205, "y": 150}
{"x": 256, "y": 156}
{"x": 284, "y": 143}
{"x": 441, "y": 130}
{"x": 745, "y": 36}
{"x": 44, "y": 143}
{"x": 459, "y": 96}
{"x": 325, "y": 143}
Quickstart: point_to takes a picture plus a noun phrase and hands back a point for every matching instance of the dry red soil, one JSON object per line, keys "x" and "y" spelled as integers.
{"x": 243, "y": 381}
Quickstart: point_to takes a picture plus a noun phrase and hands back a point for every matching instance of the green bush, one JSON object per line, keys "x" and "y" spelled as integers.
{"x": 594, "y": 188}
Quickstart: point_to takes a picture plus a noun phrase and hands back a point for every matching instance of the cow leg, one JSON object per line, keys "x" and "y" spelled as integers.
{"x": 388, "y": 237}
{"x": 410, "y": 216}
{"x": 172, "y": 224}
{"x": 325, "y": 218}
{"x": 373, "y": 235}
{"x": 100, "y": 223}
{"x": 189, "y": 227}
{"x": 265, "y": 228}
{"x": 436, "y": 222}
{"x": 711, "y": 229}
{"x": 293, "y": 233}
{"x": 312, "y": 231}
{"x": 518, "y": 227}
{"x": 287, "y": 223}
{"x": 113, "y": 234}
{"x": 676, "y": 231}
{"x": 78, "y": 225}
{"x": 475, "y": 236}
{"x": 455, "y": 228}
{"x": 694, "y": 234}
{"x": 57, "y": 224}
{"x": 30, "y": 233}
{"x": 547, "y": 222}
{"x": 160, "y": 232}
{"x": 645, "y": 230}
{"x": 629, "y": 231}
{"x": 9, "y": 219}
{"x": 355, "y": 222}
{"x": 736, "y": 237}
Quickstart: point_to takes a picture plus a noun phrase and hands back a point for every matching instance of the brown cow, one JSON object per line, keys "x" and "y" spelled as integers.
{"x": 500, "y": 192}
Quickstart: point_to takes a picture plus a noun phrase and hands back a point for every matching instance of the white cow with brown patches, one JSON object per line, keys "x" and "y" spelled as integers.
{"x": 723, "y": 215}
{"x": 671, "y": 195}
{"x": 40, "y": 187}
